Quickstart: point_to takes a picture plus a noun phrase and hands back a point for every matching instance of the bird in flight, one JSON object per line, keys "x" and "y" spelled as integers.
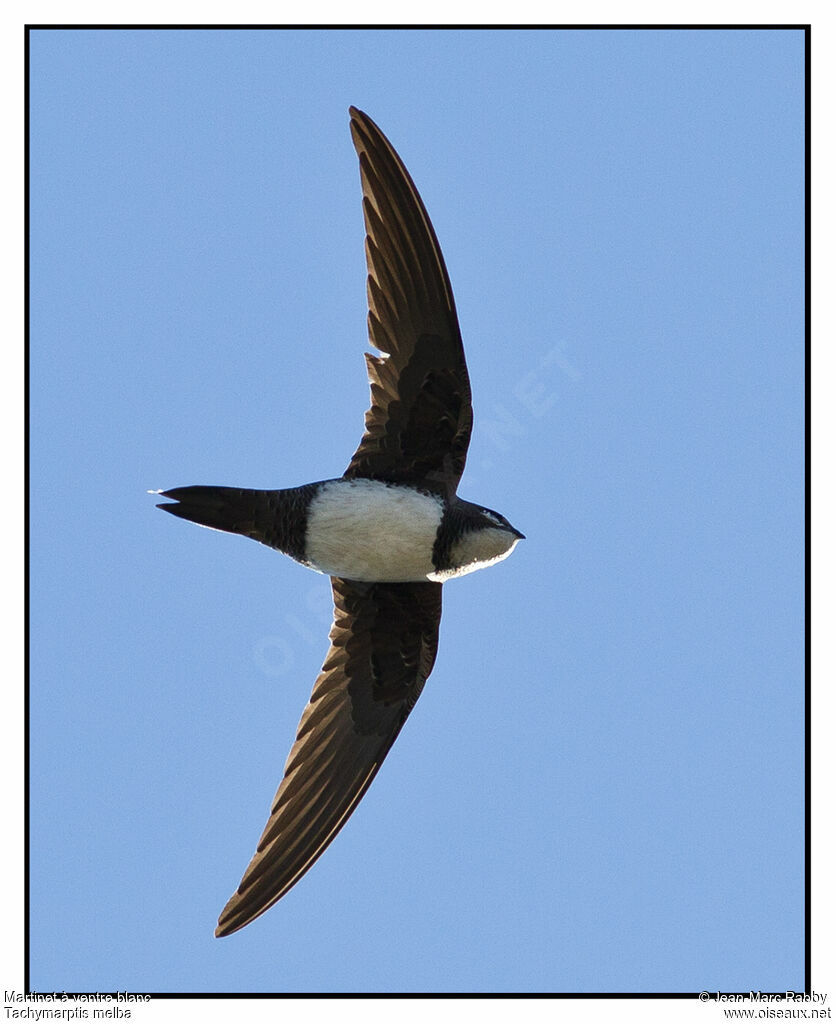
{"x": 389, "y": 532}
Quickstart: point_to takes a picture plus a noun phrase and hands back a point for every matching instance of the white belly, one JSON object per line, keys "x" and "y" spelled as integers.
{"x": 369, "y": 530}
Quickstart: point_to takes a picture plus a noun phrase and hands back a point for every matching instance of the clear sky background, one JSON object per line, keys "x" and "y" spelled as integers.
{"x": 601, "y": 788}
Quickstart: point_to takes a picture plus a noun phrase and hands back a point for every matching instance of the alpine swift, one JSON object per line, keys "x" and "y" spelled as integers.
{"x": 388, "y": 532}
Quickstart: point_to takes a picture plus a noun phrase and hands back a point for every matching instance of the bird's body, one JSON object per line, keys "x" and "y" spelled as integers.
{"x": 388, "y": 532}
{"x": 372, "y": 531}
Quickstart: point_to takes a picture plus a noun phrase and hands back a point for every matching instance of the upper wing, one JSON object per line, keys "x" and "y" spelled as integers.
{"x": 418, "y": 426}
{"x": 383, "y": 646}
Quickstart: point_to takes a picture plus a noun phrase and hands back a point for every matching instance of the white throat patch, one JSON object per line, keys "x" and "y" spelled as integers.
{"x": 477, "y": 549}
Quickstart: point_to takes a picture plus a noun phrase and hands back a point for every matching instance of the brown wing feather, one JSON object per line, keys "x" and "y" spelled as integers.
{"x": 418, "y": 426}
{"x": 383, "y": 646}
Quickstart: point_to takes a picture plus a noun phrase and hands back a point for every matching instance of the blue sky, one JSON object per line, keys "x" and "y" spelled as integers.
{"x": 601, "y": 788}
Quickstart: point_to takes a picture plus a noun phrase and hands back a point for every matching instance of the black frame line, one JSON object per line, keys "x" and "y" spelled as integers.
{"x": 803, "y": 27}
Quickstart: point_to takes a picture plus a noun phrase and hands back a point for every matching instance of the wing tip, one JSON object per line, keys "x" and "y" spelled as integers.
{"x": 358, "y": 120}
{"x": 233, "y": 917}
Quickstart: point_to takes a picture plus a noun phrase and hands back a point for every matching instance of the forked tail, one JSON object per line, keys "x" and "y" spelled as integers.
{"x": 232, "y": 509}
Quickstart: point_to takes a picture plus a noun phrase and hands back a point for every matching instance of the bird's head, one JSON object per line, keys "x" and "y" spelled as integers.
{"x": 487, "y": 519}
{"x": 483, "y": 537}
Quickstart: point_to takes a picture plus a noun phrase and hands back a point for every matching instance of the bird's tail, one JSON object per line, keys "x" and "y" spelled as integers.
{"x": 232, "y": 509}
